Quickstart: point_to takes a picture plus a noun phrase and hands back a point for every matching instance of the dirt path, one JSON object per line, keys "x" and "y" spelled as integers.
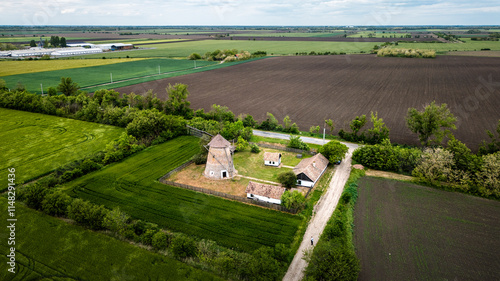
{"x": 322, "y": 213}
{"x": 388, "y": 175}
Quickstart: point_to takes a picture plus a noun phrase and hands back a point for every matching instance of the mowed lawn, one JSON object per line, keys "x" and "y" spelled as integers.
{"x": 405, "y": 231}
{"x": 13, "y": 67}
{"x": 35, "y": 144}
{"x": 47, "y": 247}
{"x": 95, "y": 75}
{"x": 133, "y": 186}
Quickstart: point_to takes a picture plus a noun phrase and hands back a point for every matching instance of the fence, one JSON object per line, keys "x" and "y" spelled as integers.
{"x": 278, "y": 147}
{"x": 167, "y": 175}
{"x": 196, "y": 132}
{"x": 231, "y": 197}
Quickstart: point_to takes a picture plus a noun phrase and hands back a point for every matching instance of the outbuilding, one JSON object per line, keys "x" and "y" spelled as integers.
{"x": 272, "y": 159}
{"x": 265, "y": 192}
{"x": 309, "y": 170}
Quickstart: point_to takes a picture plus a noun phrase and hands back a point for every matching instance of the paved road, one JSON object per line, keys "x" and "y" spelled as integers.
{"x": 323, "y": 209}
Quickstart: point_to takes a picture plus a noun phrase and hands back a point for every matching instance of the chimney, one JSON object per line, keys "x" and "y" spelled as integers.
{"x": 314, "y": 164}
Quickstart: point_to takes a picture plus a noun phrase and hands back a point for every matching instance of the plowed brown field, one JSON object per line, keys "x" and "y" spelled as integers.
{"x": 311, "y": 89}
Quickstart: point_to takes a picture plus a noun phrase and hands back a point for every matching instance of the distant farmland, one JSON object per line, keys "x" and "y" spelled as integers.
{"x": 405, "y": 231}
{"x": 311, "y": 89}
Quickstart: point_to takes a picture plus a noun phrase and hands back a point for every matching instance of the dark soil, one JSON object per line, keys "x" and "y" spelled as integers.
{"x": 405, "y": 231}
{"x": 311, "y": 89}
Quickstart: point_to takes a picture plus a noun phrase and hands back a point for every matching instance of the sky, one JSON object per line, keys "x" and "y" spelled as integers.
{"x": 253, "y": 12}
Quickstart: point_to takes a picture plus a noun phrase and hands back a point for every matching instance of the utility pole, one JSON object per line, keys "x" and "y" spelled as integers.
{"x": 111, "y": 75}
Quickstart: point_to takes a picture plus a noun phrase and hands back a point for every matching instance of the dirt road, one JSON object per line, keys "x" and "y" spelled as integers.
{"x": 322, "y": 213}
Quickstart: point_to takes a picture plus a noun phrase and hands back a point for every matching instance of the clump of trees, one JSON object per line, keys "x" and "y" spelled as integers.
{"x": 432, "y": 124}
{"x": 406, "y": 53}
{"x": 293, "y": 199}
{"x": 288, "y": 179}
{"x": 334, "y": 151}
{"x": 377, "y": 134}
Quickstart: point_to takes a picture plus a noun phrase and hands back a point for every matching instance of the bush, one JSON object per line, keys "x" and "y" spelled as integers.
{"x": 254, "y": 148}
{"x": 183, "y": 247}
{"x": 200, "y": 158}
{"x": 194, "y": 56}
{"x": 288, "y": 179}
{"x": 147, "y": 236}
{"x": 88, "y": 166}
{"x": 56, "y": 204}
{"x": 293, "y": 200}
{"x": 87, "y": 214}
{"x": 241, "y": 144}
{"x": 386, "y": 157}
{"x": 34, "y": 195}
{"x": 296, "y": 142}
{"x": 263, "y": 266}
{"x": 333, "y": 151}
{"x": 332, "y": 261}
{"x": 116, "y": 220}
{"x": 160, "y": 241}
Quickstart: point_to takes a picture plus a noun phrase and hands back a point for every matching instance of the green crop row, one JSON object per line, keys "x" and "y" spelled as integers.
{"x": 132, "y": 185}
{"x": 47, "y": 247}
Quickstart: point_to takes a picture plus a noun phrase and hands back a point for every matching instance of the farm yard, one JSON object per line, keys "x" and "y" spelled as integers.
{"x": 133, "y": 185}
{"x": 247, "y": 164}
{"x": 35, "y": 144}
{"x": 405, "y": 231}
{"x": 314, "y": 88}
{"x": 49, "y": 248}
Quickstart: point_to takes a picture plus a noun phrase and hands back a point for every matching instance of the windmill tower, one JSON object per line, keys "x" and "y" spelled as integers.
{"x": 219, "y": 159}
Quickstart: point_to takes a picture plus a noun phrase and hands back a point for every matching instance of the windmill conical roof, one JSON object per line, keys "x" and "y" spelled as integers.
{"x": 219, "y": 141}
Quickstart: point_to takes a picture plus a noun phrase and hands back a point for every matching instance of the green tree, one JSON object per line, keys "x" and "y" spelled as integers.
{"x": 463, "y": 157}
{"x": 116, "y": 220}
{"x": 241, "y": 144}
{"x": 3, "y": 85}
{"x": 492, "y": 146}
{"x": 329, "y": 123}
{"x": 293, "y": 199}
{"x": 68, "y": 87}
{"x": 63, "y": 42}
{"x": 333, "y": 151}
{"x": 183, "y": 247}
{"x": 32, "y": 43}
{"x": 379, "y": 132}
{"x": 432, "y": 124}
{"x": 56, "y": 203}
{"x": 177, "y": 103}
{"x": 263, "y": 266}
{"x": 357, "y": 123}
{"x": 34, "y": 195}
{"x": 287, "y": 123}
{"x": 248, "y": 121}
{"x": 288, "y": 179}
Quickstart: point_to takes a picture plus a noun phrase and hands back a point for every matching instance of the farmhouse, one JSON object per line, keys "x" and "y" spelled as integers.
{"x": 309, "y": 170}
{"x": 265, "y": 192}
{"x": 272, "y": 159}
{"x": 219, "y": 159}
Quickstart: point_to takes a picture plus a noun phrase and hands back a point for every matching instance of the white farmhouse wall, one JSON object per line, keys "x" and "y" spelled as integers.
{"x": 262, "y": 198}
{"x": 271, "y": 163}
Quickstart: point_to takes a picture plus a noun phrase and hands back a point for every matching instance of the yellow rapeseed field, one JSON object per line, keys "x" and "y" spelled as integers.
{"x": 21, "y": 67}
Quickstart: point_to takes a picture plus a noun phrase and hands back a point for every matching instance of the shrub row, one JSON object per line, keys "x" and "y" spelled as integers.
{"x": 406, "y": 53}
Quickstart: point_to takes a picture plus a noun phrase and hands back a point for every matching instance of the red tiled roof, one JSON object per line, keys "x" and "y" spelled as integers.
{"x": 266, "y": 190}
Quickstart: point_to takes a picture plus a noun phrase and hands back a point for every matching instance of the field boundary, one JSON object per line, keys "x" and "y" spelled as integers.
{"x": 165, "y": 180}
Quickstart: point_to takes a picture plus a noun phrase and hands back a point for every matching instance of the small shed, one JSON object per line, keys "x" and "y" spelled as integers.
{"x": 309, "y": 170}
{"x": 272, "y": 159}
{"x": 265, "y": 192}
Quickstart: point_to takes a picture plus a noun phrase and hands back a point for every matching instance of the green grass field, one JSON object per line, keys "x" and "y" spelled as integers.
{"x": 252, "y": 164}
{"x": 405, "y": 231}
{"x": 47, "y": 247}
{"x": 94, "y": 75}
{"x": 132, "y": 184}
{"x": 184, "y": 49}
{"x": 17, "y": 39}
{"x": 35, "y": 144}
{"x": 447, "y": 47}
{"x": 291, "y": 34}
